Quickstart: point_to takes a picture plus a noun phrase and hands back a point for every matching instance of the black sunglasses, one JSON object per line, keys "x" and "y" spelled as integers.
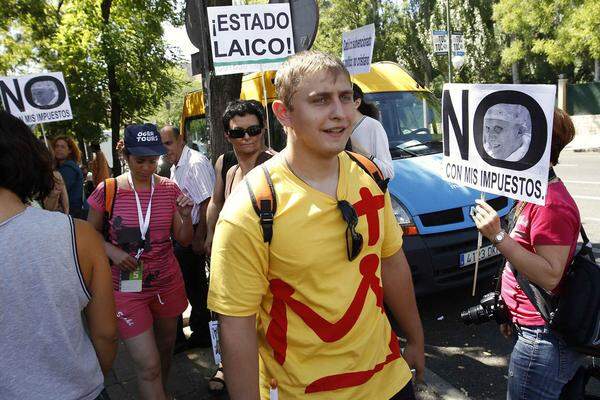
{"x": 239, "y": 133}
{"x": 354, "y": 240}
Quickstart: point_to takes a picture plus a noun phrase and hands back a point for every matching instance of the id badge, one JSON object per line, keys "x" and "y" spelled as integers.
{"x": 131, "y": 281}
{"x": 213, "y": 326}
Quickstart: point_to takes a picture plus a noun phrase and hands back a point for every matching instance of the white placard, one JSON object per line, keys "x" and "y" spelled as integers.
{"x": 458, "y": 45}
{"x": 357, "y": 49}
{"x": 213, "y": 327}
{"x": 36, "y": 99}
{"x": 440, "y": 43}
{"x": 250, "y": 38}
{"x": 497, "y": 138}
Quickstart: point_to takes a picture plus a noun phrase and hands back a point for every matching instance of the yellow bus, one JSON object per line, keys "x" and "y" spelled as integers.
{"x": 405, "y": 106}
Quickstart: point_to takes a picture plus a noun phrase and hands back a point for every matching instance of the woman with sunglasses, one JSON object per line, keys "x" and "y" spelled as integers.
{"x": 243, "y": 123}
{"x": 246, "y": 135}
{"x": 244, "y": 128}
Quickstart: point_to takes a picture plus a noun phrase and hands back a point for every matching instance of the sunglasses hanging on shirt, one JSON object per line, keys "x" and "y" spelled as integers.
{"x": 354, "y": 240}
{"x": 239, "y": 133}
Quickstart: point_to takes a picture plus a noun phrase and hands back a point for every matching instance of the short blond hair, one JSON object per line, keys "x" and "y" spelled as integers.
{"x": 301, "y": 65}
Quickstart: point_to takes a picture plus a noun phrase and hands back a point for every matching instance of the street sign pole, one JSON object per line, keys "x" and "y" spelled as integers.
{"x": 449, "y": 42}
{"x": 263, "y": 74}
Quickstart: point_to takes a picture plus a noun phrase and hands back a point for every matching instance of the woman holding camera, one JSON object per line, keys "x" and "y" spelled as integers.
{"x": 540, "y": 247}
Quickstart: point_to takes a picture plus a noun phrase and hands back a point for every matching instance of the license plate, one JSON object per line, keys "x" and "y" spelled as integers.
{"x": 484, "y": 253}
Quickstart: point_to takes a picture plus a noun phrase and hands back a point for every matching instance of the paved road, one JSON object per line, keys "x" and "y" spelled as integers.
{"x": 474, "y": 358}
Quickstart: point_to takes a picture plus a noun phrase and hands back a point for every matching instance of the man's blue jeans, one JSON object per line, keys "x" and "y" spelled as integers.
{"x": 540, "y": 365}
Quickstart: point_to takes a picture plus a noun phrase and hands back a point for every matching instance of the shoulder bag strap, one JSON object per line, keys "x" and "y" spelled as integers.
{"x": 370, "y": 168}
{"x": 264, "y": 202}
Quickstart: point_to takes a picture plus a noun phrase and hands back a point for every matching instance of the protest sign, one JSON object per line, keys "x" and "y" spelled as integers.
{"x": 497, "y": 138}
{"x": 357, "y": 49}
{"x": 36, "y": 99}
{"x": 250, "y": 38}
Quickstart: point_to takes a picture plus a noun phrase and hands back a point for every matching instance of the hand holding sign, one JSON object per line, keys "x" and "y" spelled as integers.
{"x": 486, "y": 219}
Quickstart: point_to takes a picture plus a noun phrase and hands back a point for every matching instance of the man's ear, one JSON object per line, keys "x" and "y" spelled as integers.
{"x": 282, "y": 113}
{"x": 357, "y": 103}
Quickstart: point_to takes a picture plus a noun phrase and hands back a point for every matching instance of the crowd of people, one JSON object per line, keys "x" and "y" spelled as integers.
{"x": 296, "y": 317}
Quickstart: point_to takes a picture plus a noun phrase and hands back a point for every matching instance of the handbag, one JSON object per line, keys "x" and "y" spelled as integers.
{"x": 574, "y": 315}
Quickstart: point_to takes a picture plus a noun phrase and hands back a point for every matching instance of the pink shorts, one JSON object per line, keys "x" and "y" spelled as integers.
{"x": 136, "y": 312}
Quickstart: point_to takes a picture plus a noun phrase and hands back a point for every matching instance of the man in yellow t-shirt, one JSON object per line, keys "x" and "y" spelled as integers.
{"x": 311, "y": 302}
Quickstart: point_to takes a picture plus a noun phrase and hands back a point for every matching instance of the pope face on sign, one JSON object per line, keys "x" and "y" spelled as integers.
{"x": 507, "y": 131}
{"x": 44, "y": 93}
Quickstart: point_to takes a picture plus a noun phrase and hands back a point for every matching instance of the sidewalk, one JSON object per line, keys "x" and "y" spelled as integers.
{"x": 192, "y": 369}
{"x": 190, "y": 373}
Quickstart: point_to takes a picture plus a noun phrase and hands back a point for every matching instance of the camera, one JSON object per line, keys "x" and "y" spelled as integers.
{"x": 491, "y": 307}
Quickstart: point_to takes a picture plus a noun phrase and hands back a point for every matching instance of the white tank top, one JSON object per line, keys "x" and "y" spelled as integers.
{"x": 45, "y": 352}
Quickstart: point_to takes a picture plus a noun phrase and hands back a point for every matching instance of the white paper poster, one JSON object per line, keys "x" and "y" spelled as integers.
{"x": 357, "y": 49}
{"x": 497, "y": 138}
{"x": 250, "y": 38}
{"x": 36, "y": 99}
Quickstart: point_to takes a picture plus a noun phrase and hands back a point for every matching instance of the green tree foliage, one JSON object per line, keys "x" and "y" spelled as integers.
{"x": 116, "y": 64}
{"x": 403, "y": 30}
{"x": 549, "y": 37}
{"x": 577, "y": 36}
{"x": 170, "y": 109}
{"x": 337, "y": 16}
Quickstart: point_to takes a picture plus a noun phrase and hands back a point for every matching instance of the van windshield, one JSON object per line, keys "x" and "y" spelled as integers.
{"x": 411, "y": 120}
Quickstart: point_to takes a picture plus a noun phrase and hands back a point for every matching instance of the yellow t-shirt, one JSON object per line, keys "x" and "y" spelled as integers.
{"x": 322, "y": 329}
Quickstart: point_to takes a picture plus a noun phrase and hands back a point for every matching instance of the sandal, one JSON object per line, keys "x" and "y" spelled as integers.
{"x": 218, "y": 380}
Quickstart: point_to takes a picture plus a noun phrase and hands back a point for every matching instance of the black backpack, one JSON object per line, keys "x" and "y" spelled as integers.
{"x": 575, "y": 314}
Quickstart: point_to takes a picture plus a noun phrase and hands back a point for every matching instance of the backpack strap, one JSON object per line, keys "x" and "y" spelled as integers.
{"x": 370, "y": 168}
{"x": 264, "y": 202}
{"x": 110, "y": 191}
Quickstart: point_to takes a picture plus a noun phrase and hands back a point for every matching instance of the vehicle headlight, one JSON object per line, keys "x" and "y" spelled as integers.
{"x": 403, "y": 217}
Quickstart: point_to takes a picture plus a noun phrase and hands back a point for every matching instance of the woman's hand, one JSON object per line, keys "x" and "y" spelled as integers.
{"x": 57, "y": 188}
{"x": 122, "y": 259}
{"x": 184, "y": 206}
{"x": 486, "y": 219}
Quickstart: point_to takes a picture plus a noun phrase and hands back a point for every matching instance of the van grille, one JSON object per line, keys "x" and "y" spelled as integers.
{"x": 451, "y": 216}
{"x": 455, "y": 215}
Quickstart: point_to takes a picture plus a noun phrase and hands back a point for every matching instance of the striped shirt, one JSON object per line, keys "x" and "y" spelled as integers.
{"x": 160, "y": 265}
{"x": 195, "y": 176}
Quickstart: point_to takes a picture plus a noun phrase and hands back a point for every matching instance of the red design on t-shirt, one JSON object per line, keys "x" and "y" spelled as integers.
{"x": 327, "y": 331}
{"x": 350, "y": 379}
{"x": 370, "y": 205}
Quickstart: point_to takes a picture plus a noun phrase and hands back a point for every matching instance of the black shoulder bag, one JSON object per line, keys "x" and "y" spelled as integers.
{"x": 574, "y": 315}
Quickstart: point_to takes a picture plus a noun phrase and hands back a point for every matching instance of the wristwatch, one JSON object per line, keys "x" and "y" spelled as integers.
{"x": 498, "y": 237}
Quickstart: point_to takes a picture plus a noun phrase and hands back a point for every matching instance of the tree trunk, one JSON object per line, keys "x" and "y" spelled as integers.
{"x": 515, "y": 73}
{"x": 218, "y": 90}
{"x": 221, "y": 90}
{"x": 597, "y": 70}
{"x": 113, "y": 89}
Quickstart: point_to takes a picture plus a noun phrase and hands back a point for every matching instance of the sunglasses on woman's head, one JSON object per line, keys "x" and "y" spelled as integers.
{"x": 239, "y": 133}
{"x": 354, "y": 240}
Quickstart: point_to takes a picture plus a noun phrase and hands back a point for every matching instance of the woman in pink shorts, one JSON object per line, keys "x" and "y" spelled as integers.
{"x": 149, "y": 289}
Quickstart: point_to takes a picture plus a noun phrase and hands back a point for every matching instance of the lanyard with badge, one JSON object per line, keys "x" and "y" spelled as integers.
{"x": 131, "y": 281}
